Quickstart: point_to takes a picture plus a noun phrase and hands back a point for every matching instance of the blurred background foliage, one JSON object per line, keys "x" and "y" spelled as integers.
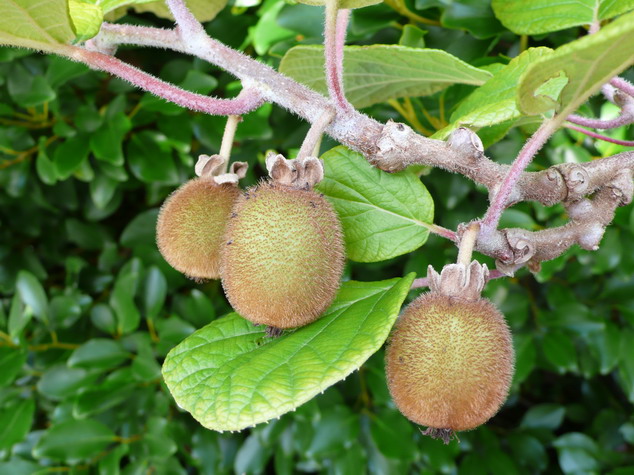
{"x": 89, "y": 309}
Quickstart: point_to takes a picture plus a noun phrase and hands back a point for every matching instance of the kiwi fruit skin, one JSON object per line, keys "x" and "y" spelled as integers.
{"x": 191, "y": 226}
{"x": 283, "y": 257}
{"x": 449, "y": 362}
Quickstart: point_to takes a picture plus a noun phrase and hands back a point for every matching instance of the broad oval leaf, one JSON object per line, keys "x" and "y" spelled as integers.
{"x": 15, "y": 422}
{"x": 35, "y": 24}
{"x": 74, "y": 440}
{"x": 588, "y": 63}
{"x": 32, "y": 294}
{"x": 230, "y": 376}
{"x": 543, "y": 16}
{"x": 378, "y": 73}
{"x": 496, "y": 101}
{"x": 383, "y": 215}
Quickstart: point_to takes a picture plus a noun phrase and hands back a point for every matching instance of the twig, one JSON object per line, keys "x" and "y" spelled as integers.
{"x": 227, "y": 139}
{"x": 334, "y": 40}
{"x": 605, "y": 138}
{"x": 467, "y": 242}
{"x": 501, "y": 197}
{"x": 623, "y": 85}
{"x": 624, "y": 119}
{"x": 248, "y": 99}
{"x": 313, "y": 137}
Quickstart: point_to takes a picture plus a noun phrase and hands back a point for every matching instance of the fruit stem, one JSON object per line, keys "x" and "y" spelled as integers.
{"x": 313, "y": 137}
{"x": 227, "y": 139}
{"x": 467, "y": 243}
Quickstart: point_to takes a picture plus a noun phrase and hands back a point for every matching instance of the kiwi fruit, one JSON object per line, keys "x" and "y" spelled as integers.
{"x": 283, "y": 257}
{"x": 449, "y": 362}
{"x": 191, "y": 226}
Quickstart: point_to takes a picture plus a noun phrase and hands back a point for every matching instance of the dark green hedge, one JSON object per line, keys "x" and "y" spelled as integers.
{"x": 89, "y": 309}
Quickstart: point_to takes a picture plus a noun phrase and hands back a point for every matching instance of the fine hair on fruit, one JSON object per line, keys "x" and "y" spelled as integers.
{"x": 191, "y": 226}
{"x": 449, "y": 362}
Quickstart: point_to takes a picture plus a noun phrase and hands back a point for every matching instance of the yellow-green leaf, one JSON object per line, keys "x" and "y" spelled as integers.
{"x": 542, "y": 16}
{"x": 35, "y": 24}
{"x": 587, "y": 63}
{"x": 86, "y": 18}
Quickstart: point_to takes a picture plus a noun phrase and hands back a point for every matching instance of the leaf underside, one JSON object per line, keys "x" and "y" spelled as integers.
{"x": 230, "y": 376}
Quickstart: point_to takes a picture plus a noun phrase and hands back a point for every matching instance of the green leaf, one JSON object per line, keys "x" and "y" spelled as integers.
{"x": 383, "y": 215}
{"x": 103, "y": 318}
{"x": 606, "y": 346}
{"x": 392, "y": 434}
{"x": 28, "y": 89}
{"x": 378, "y": 73}
{"x": 544, "y": 416}
{"x": 543, "y": 16}
{"x": 19, "y": 316}
{"x": 35, "y": 24}
{"x": 98, "y": 353}
{"x": 102, "y": 189}
{"x": 496, "y": 101}
{"x": 70, "y": 155}
{"x": 343, "y": 3}
{"x": 587, "y": 63}
{"x": 229, "y": 375}
{"x": 86, "y": 19}
{"x": 626, "y": 367}
{"x": 560, "y": 351}
{"x": 203, "y": 10}
{"x": 106, "y": 142}
{"x": 122, "y": 301}
{"x": 154, "y": 292}
{"x": 32, "y": 294}
{"x": 60, "y": 381}
{"x": 15, "y": 422}
{"x": 45, "y": 167}
{"x": 141, "y": 230}
{"x": 73, "y": 441}
{"x": 149, "y": 161}
{"x": 11, "y": 362}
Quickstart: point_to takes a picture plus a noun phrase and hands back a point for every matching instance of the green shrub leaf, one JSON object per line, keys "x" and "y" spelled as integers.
{"x": 587, "y": 63}
{"x": 32, "y": 294}
{"x": 73, "y": 441}
{"x": 374, "y": 74}
{"x": 543, "y": 16}
{"x": 15, "y": 422}
{"x": 383, "y": 215}
{"x": 229, "y": 375}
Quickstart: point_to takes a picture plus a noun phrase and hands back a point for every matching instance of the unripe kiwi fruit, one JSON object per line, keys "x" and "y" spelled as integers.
{"x": 449, "y": 362}
{"x": 191, "y": 226}
{"x": 284, "y": 255}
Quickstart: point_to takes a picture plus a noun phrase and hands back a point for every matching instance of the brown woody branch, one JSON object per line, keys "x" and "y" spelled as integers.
{"x": 395, "y": 146}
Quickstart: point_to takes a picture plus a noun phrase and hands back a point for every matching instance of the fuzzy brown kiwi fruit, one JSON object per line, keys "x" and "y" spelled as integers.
{"x": 191, "y": 226}
{"x": 449, "y": 362}
{"x": 284, "y": 255}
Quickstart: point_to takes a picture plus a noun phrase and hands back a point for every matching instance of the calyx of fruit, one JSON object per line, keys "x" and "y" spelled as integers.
{"x": 213, "y": 166}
